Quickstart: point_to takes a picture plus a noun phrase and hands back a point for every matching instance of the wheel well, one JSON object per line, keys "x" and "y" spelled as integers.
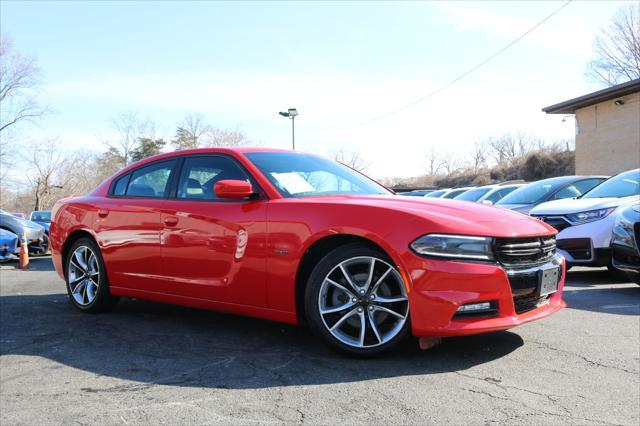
{"x": 72, "y": 238}
{"x": 312, "y": 256}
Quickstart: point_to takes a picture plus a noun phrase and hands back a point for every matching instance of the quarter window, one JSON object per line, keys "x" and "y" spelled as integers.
{"x": 120, "y": 187}
{"x": 200, "y": 174}
{"x": 151, "y": 181}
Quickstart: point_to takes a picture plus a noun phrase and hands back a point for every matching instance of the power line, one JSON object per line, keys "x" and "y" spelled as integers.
{"x": 463, "y": 75}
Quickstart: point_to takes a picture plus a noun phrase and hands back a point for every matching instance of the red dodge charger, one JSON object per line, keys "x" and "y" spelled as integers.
{"x": 294, "y": 237}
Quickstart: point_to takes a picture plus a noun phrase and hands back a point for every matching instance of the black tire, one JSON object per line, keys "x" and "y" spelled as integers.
{"x": 312, "y": 294}
{"x": 103, "y": 300}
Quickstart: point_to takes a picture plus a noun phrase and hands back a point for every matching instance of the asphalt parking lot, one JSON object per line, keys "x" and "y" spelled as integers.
{"x": 147, "y": 363}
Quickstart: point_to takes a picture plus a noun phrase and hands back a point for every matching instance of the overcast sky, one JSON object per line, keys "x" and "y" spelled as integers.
{"x": 340, "y": 64}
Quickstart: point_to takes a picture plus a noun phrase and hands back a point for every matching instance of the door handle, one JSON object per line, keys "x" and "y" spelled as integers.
{"x": 103, "y": 212}
{"x": 170, "y": 221}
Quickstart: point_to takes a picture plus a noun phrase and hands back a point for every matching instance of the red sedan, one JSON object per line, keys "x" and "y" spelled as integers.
{"x": 296, "y": 238}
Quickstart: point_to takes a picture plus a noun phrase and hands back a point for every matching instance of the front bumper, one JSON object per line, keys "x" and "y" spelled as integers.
{"x": 625, "y": 258}
{"x": 586, "y": 244}
{"x": 439, "y": 288}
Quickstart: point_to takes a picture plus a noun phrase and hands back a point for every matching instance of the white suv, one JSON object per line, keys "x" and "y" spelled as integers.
{"x": 585, "y": 223}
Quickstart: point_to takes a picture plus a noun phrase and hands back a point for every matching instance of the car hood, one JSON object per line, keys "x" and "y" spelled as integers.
{"x": 571, "y": 205}
{"x": 452, "y": 216}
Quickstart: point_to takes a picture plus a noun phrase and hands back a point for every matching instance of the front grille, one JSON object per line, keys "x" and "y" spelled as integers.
{"x": 524, "y": 283}
{"x": 529, "y": 302}
{"x": 558, "y": 222}
{"x": 516, "y": 252}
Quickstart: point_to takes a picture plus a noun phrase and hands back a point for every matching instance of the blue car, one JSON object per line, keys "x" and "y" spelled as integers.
{"x": 9, "y": 248}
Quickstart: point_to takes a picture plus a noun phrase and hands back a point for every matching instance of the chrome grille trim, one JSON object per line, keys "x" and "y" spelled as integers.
{"x": 520, "y": 252}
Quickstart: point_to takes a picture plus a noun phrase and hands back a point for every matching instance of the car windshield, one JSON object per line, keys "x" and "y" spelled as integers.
{"x": 473, "y": 194}
{"x": 536, "y": 191}
{"x": 436, "y": 194}
{"x": 302, "y": 175}
{"x": 623, "y": 185}
{"x": 41, "y": 216}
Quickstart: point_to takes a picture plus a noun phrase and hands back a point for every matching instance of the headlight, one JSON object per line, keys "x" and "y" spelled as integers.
{"x": 590, "y": 216}
{"x": 622, "y": 232}
{"x": 463, "y": 247}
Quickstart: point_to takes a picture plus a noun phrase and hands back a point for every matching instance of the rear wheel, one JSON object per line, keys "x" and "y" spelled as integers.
{"x": 357, "y": 301}
{"x": 87, "y": 283}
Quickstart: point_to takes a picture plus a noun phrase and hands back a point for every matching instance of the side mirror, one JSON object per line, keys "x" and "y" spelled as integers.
{"x": 486, "y": 202}
{"x": 233, "y": 189}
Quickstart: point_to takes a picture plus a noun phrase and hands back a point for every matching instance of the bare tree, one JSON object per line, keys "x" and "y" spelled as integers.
{"x": 191, "y": 131}
{"x": 129, "y": 129}
{"x": 352, "y": 159}
{"x": 479, "y": 155}
{"x": 19, "y": 80}
{"x": 434, "y": 162}
{"x": 507, "y": 149}
{"x": 617, "y": 48}
{"x": 220, "y": 138}
{"x": 45, "y": 159}
{"x": 451, "y": 163}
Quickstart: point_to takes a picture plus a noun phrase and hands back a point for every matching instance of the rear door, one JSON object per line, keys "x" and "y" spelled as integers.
{"x": 214, "y": 248}
{"x": 128, "y": 228}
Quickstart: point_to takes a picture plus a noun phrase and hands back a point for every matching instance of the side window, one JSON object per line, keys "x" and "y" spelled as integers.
{"x": 120, "y": 186}
{"x": 567, "y": 192}
{"x": 151, "y": 181}
{"x": 200, "y": 174}
{"x": 496, "y": 196}
{"x": 587, "y": 184}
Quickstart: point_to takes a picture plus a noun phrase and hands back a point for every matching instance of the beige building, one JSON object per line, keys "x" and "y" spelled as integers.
{"x": 607, "y": 129}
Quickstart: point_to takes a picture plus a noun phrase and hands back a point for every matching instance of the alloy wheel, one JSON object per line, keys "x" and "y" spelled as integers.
{"x": 83, "y": 275}
{"x": 363, "y": 302}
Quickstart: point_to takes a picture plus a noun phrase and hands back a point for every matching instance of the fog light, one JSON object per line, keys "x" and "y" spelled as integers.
{"x": 475, "y": 308}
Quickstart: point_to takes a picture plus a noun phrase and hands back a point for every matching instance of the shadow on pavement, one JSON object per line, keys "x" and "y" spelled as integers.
{"x": 150, "y": 343}
{"x": 601, "y": 291}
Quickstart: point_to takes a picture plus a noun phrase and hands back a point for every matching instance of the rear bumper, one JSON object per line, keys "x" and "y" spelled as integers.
{"x": 439, "y": 288}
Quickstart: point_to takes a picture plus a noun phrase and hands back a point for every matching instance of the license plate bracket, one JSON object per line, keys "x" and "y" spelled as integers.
{"x": 548, "y": 279}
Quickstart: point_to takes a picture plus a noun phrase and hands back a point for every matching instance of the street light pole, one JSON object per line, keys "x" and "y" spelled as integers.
{"x": 291, "y": 113}
{"x": 293, "y": 133}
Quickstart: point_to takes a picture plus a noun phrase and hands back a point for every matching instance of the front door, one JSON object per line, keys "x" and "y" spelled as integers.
{"x": 214, "y": 248}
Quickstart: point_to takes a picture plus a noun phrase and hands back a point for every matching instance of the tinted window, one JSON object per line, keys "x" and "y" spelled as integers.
{"x": 151, "y": 181}
{"x": 436, "y": 194}
{"x": 120, "y": 187}
{"x": 303, "y": 175}
{"x": 623, "y": 185}
{"x": 200, "y": 174}
{"x": 41, "y": 216}
{"x": 576, "y": 189}
{"x": 473, "y": 194}
{"x": 455, "y": 193}
{"x": 536, "y": 191}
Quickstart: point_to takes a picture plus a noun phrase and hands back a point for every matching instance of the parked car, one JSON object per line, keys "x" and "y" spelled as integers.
{"x": 453, "y": 193}
{"x": 8, "y": 245}
{"x": 585, "y": 224}
{"x": 625, "y": 242}
{"x": 42, "y": 218}
{"x": 33, "y": 232}
{"x": 489, "y": 194}
{"x": 295, "y": 237}
{"x": 527, "y": 197}
{"x": 438, "y": 193}
{"x": 416, "y": 193}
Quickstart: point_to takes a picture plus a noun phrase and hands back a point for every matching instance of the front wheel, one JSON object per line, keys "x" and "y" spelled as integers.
{"x": 87, "y": 283}
{"x": 357, "y": 302}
